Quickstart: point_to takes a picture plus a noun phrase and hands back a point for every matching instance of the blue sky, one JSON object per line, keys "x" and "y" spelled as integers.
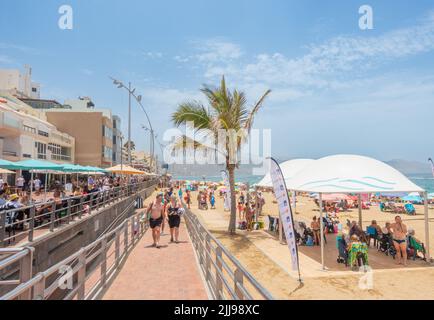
{"x": 336, "y": 88}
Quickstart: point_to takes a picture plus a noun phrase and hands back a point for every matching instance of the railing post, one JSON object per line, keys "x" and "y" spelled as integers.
{"x": 32, "y": 223}
{"x": 52, "y": 216}
{"x": 2, "y": 229}
{"x": 117, "y": 248}
{"x": 132, "y": 230}
{"x": 68, "y": 211}
{"x": 126, "y": 236}
{"x": 208, "y": 256}
{"x": 39, "y": 290}
{"x": 26, "y": 273}
{"x": 103, "y": 262}
{"x": 80, "y": 207}
{"x": 81, "y": 276}
{"x": 238, "y": 279}
{"x": 219, "y": 282}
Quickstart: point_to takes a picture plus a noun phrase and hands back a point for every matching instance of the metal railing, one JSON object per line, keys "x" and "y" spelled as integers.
{"x": 22, "y": 257}
{"x": 50, "y": 215}
{"x": 85, "y": 274}
{"x": 225, "y": 277}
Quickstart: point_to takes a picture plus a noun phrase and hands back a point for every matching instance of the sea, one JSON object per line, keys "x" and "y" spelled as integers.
{"x": 426, "y": 182}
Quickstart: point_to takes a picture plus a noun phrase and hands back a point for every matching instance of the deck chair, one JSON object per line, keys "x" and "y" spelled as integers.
{"x": 409, "y": 208}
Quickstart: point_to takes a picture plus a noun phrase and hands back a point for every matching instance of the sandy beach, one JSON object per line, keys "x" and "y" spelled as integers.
{"x": 269, "y": 261}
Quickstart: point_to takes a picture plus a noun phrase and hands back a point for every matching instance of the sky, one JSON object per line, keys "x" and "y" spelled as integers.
{"x": 335, "y": 87}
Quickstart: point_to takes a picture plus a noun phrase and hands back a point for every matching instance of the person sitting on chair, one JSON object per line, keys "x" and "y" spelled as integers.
{"x": 415, "y": 244}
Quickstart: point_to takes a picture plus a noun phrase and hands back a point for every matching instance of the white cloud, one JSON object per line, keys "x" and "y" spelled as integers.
{"x": 87, "y": 72}
{"x": 5, "y": 59}
{"x": 325, "y": 66}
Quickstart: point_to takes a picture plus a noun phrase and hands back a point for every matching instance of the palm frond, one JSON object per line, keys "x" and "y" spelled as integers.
{"x": 194, "y": 112}
{"x": 249, "y": 121}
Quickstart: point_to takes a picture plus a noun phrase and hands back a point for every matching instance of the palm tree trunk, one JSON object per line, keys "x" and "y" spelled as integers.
{"x": 232, "y": 220}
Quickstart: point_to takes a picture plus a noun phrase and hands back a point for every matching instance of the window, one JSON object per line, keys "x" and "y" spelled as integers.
{"x": 43, "y": 133}
{"x": 29, "y": 129}
{"x": 107, "y": 152}
{"x": 107, "y": 132}
{"x": 42, "y": 150}
{"x": 34, "y": 90}
{"x": 58, "y": 152}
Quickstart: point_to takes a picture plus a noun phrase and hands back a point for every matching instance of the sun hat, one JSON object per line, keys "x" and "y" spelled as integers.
{"x": 13, "y": 197}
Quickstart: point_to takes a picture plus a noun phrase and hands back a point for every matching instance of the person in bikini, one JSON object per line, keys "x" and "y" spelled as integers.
{"x": 172, "y": 213}
{"x": 400, "y": 240}
{"x": 156, "y": 212}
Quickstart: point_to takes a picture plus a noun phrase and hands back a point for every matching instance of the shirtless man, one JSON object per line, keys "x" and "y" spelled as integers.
{"x": 400, "y": 240}
{"x": 156, "y": 210}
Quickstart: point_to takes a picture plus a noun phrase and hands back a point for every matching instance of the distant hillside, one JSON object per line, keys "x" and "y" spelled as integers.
{"x": 410, "y": 167}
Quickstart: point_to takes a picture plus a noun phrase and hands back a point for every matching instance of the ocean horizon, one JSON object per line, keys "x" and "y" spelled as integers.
{"x": 426, "y": 182}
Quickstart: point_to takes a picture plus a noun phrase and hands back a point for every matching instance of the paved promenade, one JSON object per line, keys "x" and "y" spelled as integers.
{"x": 168, "y": 273}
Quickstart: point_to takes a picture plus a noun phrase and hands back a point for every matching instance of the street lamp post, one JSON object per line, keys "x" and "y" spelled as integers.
{"x": 151, "y": 145}
{"x": 138, "y": 98}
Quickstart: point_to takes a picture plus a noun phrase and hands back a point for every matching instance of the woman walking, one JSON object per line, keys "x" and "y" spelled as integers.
{"x": 173, "y": 211}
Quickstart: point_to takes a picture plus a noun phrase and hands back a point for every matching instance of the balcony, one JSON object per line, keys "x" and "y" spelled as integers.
{"x": 60, "y": 157}
{"x": 9, "y": 126}
{"x": 10, "y": 155}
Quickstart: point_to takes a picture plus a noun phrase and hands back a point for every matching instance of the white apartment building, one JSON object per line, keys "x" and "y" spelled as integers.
{"x": 20, "y": 83}
{"x": 25, "y": 134}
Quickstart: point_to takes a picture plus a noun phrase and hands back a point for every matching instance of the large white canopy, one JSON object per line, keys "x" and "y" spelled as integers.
{"x": 350, "y": 174}
{"x": 289, "y": 169}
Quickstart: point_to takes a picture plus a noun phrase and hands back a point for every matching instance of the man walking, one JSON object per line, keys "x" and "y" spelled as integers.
{"x": 156, "y": 212}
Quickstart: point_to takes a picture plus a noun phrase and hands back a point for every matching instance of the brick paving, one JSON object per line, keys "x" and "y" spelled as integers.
{"x": 168, "y": 273}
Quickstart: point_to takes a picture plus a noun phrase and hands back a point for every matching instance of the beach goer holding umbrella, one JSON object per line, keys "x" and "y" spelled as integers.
{"x": 400, "y": 240}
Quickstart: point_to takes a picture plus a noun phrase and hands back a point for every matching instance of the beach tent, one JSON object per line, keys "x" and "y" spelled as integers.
{"x": 289, "y": 169}
{"x": 353, "y": 174}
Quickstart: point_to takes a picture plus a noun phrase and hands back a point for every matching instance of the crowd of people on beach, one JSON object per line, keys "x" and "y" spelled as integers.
{"x": 394, "y": 239}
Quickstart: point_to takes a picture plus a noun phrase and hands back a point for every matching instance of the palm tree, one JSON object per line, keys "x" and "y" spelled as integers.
{"x": 226, "y": 110}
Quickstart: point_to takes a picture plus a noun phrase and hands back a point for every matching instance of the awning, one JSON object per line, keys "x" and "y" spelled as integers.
{"x": 289, "y": 169}
{"x": 350, "y": 174}
{"x": 124, "y": 169}
{"x": 32, "y": 164}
